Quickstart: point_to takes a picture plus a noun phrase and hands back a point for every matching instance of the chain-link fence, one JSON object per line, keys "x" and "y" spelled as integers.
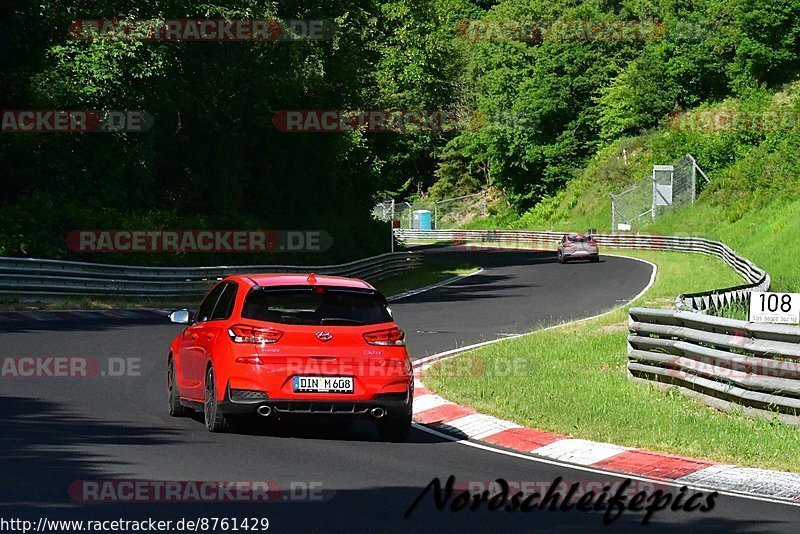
{"x": 399, "y": 211}
{"x": 668, "y": 186}
{"x": 456, "y": 212}
{"x": 445, "y": 213}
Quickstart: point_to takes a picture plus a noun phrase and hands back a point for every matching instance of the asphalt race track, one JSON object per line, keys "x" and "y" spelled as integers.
{"x": 58, "y": 431}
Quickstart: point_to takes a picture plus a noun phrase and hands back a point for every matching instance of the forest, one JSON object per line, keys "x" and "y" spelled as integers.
{"x": 544, "y": 85}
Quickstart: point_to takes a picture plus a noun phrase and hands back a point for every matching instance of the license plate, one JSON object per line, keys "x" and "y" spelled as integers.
{"x": 323, "y": 384}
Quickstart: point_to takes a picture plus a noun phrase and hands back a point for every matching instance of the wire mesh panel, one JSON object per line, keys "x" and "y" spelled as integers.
{"x": 455, "y": 212}
{"x": 401, "y": 211}
{"x": 448, "y": 212}
{"x": 668, "y": 186}
{"x": 662, "y": 184}
{"x": 382, "y": 211}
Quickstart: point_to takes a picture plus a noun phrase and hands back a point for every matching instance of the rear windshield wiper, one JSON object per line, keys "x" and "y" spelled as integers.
{"x": 327, "y": 320}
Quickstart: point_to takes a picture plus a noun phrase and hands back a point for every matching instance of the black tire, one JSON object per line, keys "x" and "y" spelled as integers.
{"x": 560, "y": 258}
{"x": 176, "y": 409}
{"x": 394, "y": 429}
{"x": 595, "y": 259}
{"x": 214, "y": 420}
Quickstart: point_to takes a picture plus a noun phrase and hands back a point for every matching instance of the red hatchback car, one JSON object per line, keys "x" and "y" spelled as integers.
{"x": 284, "y": 345}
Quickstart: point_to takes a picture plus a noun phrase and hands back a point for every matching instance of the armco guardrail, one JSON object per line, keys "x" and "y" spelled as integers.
{"x": 757, "y": 278}
{"x": 724, "y": 363}
{"x": 27, "y": 276}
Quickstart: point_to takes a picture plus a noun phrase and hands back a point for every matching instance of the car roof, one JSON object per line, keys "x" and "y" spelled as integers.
{"x": 300, "y": 279}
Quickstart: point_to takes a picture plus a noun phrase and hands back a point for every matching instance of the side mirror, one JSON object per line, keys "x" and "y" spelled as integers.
{"x": 179, "y": 317}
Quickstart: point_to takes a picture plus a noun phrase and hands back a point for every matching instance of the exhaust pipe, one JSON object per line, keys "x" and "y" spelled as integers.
{"x": 377, "y": 412}
{"x": 264, "y": 411}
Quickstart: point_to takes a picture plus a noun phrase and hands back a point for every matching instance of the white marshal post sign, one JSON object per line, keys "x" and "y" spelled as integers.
{"x": 783, "y": 308}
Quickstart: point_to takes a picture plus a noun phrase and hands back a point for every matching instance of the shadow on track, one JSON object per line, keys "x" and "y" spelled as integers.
{"x": 43, "y": 448}
{"x": 79, "y": 325}
{"x": 316, "y": 429}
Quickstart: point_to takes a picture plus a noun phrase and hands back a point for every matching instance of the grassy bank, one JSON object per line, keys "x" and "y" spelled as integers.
{"x": 768, "y": 235}
{"x": 576, "y": 383}
{"x": 752, "y": 201}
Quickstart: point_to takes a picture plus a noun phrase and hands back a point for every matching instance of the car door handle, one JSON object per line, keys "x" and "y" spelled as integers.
{"x": 209, "y": 336}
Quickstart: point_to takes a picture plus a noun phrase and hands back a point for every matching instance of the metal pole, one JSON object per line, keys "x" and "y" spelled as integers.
{"x": 435, "y": 215}
{"x": 613, "y": 215}
{"x": 694, "y": 179}
{"x": 654, "y": 194}
{"x": 391, "y": 226}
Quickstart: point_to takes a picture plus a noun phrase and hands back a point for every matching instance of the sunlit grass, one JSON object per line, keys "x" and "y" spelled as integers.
{"x": 431, "y": 272}
{"x": 574, "y": 381}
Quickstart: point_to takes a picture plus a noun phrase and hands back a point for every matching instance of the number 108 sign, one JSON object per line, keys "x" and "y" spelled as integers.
{"x": 775, "y": 308}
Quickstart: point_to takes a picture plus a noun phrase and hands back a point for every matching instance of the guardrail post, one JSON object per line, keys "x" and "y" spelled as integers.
{"x": 391, "y": 228}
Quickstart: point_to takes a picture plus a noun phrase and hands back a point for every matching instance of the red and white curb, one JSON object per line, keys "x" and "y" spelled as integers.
{"x": 460, "y": 422}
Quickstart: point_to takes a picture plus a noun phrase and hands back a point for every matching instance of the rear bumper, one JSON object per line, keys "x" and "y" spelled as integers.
{"x": 573, "y": 256}
{"x": 394, "y": 405}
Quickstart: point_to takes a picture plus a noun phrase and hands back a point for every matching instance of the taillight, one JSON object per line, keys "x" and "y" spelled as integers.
{"x": 242, "y": 333}
{"x": 251, "y": 360}
{"x": 567, "y": 245}
{"x": 592, "y": 243}
{"x": 391, "y": 337}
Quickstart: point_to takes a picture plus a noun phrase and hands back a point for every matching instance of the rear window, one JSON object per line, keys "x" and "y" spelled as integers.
{"x": 316, "y": 306}
{"x": 578, "y": 238}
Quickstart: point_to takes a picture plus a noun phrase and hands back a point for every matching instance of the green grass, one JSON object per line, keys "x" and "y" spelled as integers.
{"x": 584, "y": 202}
{"x": 768, "y": 235}
{"x": 573, "y": 380}
{"x": 748, "y": 172}
{"x": 752, "y": 202}
{"x": 737, "y": 310}
{"x": 431, "y": 272}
